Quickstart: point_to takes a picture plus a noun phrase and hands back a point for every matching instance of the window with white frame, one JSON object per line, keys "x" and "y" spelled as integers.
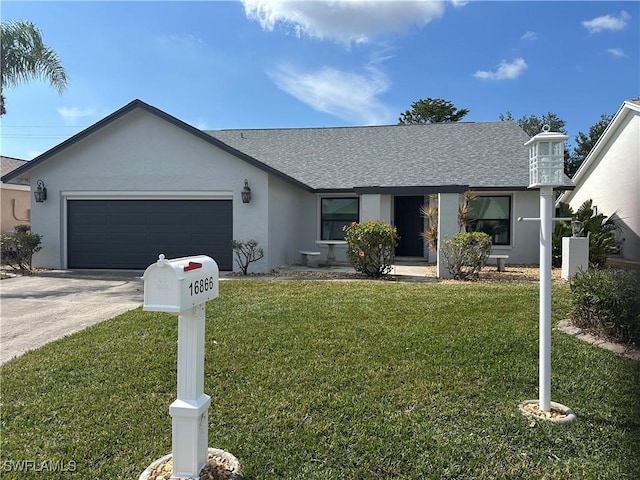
{"x": 492, "y": 215}
{"x": 335, "y": 213}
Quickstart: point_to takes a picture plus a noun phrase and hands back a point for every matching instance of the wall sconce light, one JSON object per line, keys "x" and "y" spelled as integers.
{"x": 41, "y": 192}
{"x": 246, "y": 192}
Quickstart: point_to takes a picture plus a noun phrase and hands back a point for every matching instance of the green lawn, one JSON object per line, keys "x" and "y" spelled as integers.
{"x": 333, "y": 380}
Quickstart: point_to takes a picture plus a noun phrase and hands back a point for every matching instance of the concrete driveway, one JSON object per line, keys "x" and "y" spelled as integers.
{"x": 37, "y": 309}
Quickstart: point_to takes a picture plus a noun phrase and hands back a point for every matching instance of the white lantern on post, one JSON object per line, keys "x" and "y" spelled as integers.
{"x": 546, "y": 159}
{"x": 546, "y": 171}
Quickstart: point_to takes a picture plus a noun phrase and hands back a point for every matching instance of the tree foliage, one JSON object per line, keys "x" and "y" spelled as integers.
{"x": 585, "y": 143}
{"x": 533, "y": 124}
{"x": 24, "y": 57}
{"x": 432, "y": 110}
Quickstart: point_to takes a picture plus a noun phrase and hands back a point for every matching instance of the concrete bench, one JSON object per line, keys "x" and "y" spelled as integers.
{"x": 309, "y": 258}
{"x": 500, "y": 260}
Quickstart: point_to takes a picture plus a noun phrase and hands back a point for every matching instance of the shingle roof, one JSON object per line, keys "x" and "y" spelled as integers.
{"x": 488, "y": 155}
{"x": 481, "y": 155}
{"x": 8, "y": 164}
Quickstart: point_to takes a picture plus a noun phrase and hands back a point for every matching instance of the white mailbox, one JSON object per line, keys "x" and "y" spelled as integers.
{"x": 182, "y": 283}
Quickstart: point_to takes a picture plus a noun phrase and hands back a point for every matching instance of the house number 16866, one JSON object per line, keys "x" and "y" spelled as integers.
{"x": 200, "y": 286}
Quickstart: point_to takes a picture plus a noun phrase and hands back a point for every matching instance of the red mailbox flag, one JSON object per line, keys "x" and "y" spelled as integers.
{"x": 192, "y": 266}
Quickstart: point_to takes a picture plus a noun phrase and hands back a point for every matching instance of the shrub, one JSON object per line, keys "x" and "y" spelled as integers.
{"x": 371, "y": 247}
{"x": 600, "y": 229}
{"x": 466, "y": 253}
{"x": 17, "y": 249}
{"x": 246, "y": 253}
{"x": 608, "y": 302}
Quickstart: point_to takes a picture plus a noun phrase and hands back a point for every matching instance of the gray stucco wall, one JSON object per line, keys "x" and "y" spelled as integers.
{"x": 142, "y": 156}
{"x": 525, "y": 235}
{"x": 286, "y": 206}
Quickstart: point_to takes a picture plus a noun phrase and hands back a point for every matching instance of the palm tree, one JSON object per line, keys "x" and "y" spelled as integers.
{"x": 24, "y": 56}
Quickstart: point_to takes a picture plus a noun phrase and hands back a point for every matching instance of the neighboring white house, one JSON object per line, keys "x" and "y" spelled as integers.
{"x": 610, "y": 176}
{"x": 141, "y": 182}
{"x": 14, "y": 198}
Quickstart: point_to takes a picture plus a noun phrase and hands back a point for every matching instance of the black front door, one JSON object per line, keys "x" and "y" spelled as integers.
{"x": 409, "y": 223}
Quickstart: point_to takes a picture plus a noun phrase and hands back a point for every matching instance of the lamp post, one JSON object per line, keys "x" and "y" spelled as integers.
{"x": 546, "y": 170}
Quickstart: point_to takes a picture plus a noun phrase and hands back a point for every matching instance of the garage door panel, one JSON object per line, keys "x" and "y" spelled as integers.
{"x": 92, "y": 256}
{"x": 88, "y": 220}
{"x": 128, "y": 219}
{"x": 131, "y": 233}
{"x": 127, "y": 237}
{"x": 174, "y": 219}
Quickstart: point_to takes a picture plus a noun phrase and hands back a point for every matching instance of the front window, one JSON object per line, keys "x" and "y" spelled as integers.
{"x": 335, "y": 214}
{"x": 492, "y": 215}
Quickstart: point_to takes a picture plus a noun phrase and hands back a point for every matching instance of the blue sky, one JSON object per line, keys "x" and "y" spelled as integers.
{"x": 277, "y": 63}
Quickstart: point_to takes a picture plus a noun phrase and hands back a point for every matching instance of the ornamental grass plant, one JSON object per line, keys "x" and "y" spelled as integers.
{"x": 331, "y": 380}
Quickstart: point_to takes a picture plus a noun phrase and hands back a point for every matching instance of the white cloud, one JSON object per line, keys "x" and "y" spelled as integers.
{"x": 607, "y": 22}
{"x": 201, "y": 124}
{"x": 350, "y": 96}
{"x": 505, "y": 71}
{"x": 529, "y": 36}
{"x": 31, "y": 154}
{"x": 616, "y": 52}
{"x": 346, "y": 21}
{"x": 71, "y": 115}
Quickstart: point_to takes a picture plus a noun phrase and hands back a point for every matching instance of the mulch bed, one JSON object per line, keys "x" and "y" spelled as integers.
{"x": 490, "y": 274}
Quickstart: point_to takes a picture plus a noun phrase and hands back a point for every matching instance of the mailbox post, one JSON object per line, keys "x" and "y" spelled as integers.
{"x": 183, "y": 286}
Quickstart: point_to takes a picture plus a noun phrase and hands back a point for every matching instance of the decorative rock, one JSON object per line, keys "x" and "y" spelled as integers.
{"x": 558, "y": 414}
{"x": 221, "y": 465}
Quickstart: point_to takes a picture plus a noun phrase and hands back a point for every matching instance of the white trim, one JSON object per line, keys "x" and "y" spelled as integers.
{"x": 64, "y": 234}
{"x": 13, "y": 186}
{"x": 145, "y": 195}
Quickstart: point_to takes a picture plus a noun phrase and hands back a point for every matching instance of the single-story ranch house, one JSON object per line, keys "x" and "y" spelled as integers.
{"x": 141, "y": 182}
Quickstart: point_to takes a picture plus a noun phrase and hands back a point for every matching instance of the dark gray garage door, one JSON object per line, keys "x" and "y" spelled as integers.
{"x": 130, "y": 234}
